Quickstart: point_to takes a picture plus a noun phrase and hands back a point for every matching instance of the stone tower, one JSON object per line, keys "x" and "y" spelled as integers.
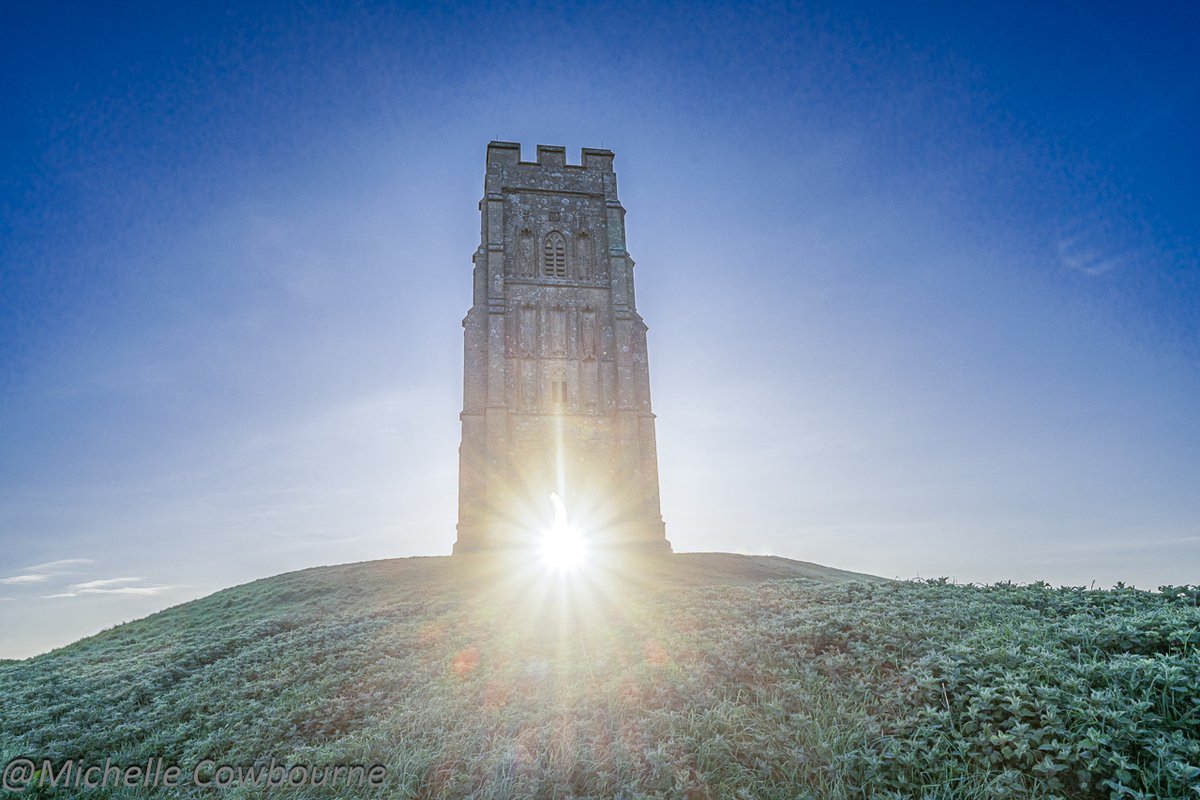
{"x": 556, "y": 385}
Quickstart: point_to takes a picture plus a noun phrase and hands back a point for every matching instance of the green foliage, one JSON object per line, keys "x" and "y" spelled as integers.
{"x": 784, "y": 689}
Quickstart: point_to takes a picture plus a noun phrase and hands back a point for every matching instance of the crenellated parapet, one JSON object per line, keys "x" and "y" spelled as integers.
{"x": 502, "y": 154}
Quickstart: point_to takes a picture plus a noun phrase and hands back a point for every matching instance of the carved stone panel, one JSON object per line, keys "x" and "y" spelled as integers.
{"x": 525, "y": 254}
{"x": 529, "y": 402}
{"x": 587, "y": 337}
{"x": 527, "y": 332}
{"x": 558, "y": 332}
{"x": 584, "y": 252}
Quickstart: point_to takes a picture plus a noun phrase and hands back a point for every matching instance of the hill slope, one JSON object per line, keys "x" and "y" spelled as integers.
{"x": 691, "y": 677}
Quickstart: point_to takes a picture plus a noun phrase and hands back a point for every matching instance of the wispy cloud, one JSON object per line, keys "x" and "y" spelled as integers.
{"x": 1094, "y": 245}
{"x": 40, "y": 573}
{"x": 110, "y": 586}
{"x": 60, "y": 565}
{"x": 31, "y": 578}
{"x": 104, "y": 583}
{"x": 55, "y": 570}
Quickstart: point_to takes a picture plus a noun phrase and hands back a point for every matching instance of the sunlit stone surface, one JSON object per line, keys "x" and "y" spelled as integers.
{"x": 556, "y": 393}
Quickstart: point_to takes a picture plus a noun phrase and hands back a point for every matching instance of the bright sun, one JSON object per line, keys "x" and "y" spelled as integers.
{"x": 563, "y": 548}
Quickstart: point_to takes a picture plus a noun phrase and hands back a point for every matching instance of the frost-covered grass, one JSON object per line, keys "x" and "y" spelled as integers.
{"x": 464, "y": 685}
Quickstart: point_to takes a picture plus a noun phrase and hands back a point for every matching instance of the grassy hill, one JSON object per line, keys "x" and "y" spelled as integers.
{"x": 702, "y": 676}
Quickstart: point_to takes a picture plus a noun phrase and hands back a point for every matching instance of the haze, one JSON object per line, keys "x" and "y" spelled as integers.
{"x": 922, "y": 287}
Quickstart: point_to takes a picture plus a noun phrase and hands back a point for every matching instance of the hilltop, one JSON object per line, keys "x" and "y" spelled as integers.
{"x": 702, "y": 676}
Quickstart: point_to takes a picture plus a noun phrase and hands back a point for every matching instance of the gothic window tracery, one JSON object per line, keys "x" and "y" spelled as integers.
{"x": 554, "y": 255}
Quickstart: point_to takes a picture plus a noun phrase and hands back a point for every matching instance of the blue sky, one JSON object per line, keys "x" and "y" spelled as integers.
{"x": 923, "y": 285}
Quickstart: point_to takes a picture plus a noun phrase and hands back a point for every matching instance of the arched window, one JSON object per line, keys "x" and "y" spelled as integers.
{"x": 554, "y": 255}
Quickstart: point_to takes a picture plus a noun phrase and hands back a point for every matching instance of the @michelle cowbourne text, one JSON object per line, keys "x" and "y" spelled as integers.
{"x": 155, "y": 773}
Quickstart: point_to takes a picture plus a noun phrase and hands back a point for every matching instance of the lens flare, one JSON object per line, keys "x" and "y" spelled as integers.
{"x": 563, "y": 547}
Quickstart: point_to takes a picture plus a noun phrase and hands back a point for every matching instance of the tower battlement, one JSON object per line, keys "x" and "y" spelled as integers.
{"x": 549, "y": 157}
